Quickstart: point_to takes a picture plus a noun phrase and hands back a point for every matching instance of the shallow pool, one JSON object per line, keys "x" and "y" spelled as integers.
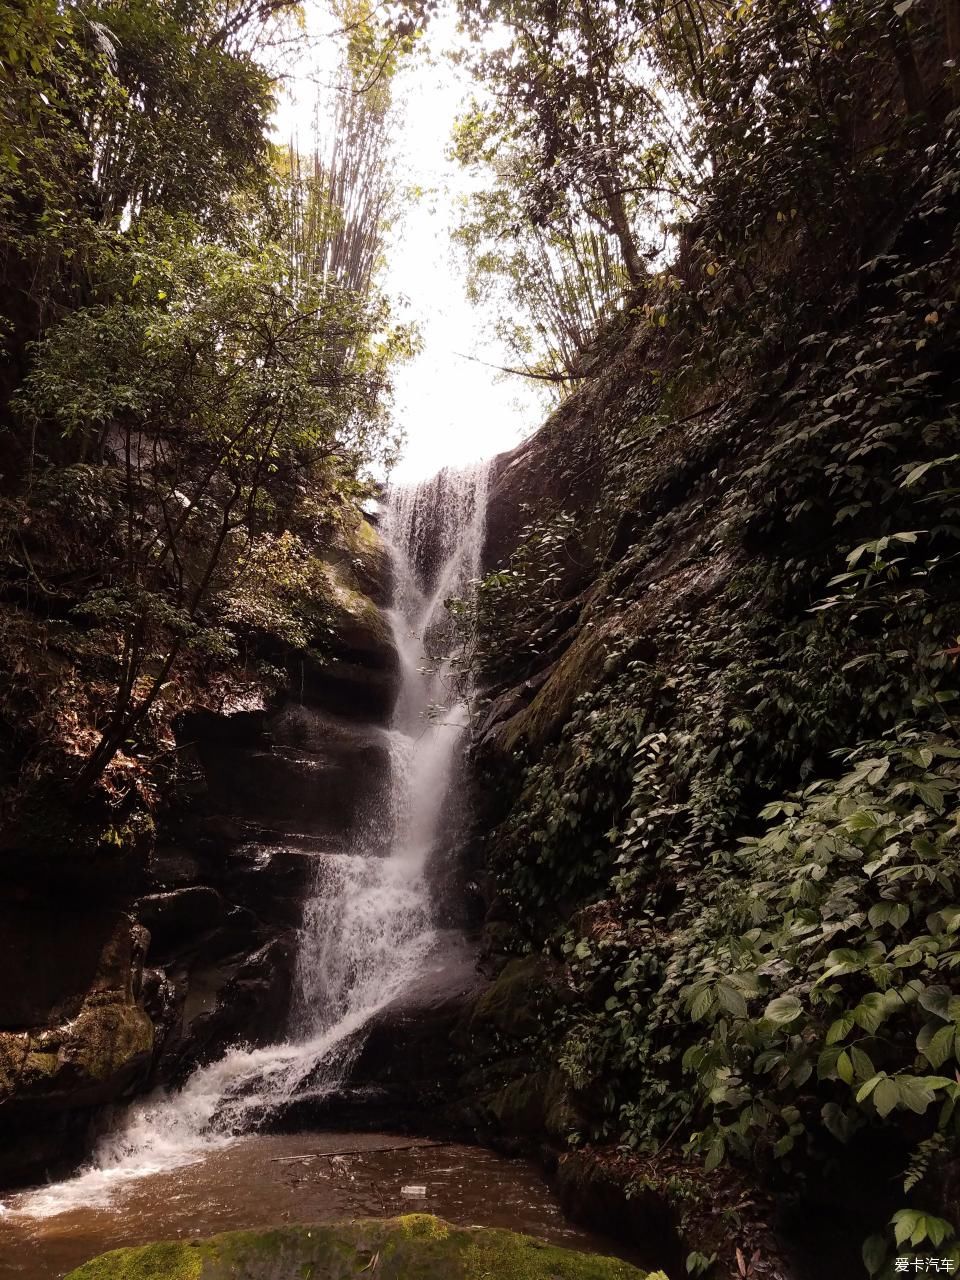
{"x": 264, "y": 1180}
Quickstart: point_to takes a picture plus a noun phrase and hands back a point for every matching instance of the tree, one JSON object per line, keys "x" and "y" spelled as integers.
{"x": 109, "y": 114}
{"x": 201, "y": 350}
{"x": 340, "y": 195}
{"x": 589, "y": 156}
{"x": 577, "y": 80}
{"x": 207, "y": 392}
{"x": 655, "y": 120}
{"x": 550, "y": 287}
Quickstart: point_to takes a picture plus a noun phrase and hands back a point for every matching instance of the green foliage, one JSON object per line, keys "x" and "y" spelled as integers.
{"x": 193, "y": 387}
{"x": 209, "y": 392}
{"x": 763, "y": 136}
{"x": 282, "y": 594}
{"x": 848, "y": 914}
{"x": 742, "y": 844}
{"x": 501, "y": 624}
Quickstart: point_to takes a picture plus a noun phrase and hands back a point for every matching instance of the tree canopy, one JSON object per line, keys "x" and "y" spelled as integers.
{"x": 197, "y": 342}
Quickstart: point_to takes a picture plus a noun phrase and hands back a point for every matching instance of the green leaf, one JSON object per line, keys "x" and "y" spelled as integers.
{"x": 835, "y": 1121}
{"x": 783, "y": 1010}
{"x": 862, "y": 820}
{"x": 913, "y": 1094}
{"x": 845, "y": 1068}
{"x": 827, "y": 1063}
{"x": 862, "y": 1066}
{"x": 896, "y": 913}
{"x": 715, "y": 1153}
{"x": 936, "y": 1000}
{"x": 937, "y": 1229}
{"x": 938, "y": 1046}
{"x": 885, "y": 1096}
{"x": 870, "y": 1012}
{"x": 865, "y": 1090}
{"x": 904, "y": 1222}
{"x": 732, "y": 1000}
{"x": 874, "y": 1253}
{"x": 839, "y": 961}
{"x": 701, "y": 1004}
{"x": 840, "y": 1029}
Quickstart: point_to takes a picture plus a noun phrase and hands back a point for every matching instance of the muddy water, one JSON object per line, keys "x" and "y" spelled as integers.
{"x": 271, "y": 1180}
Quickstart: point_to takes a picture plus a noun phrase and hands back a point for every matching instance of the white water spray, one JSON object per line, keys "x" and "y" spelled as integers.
{"x": 367, "y": 929}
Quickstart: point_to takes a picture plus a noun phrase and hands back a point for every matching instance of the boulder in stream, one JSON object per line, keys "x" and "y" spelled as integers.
{"x": 393, "y": 1249}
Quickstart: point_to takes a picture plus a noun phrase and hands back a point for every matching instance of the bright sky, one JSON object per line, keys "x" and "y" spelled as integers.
{"x": 452, "y": 410}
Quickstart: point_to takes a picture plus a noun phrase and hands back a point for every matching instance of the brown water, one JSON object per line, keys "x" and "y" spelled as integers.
{"x": 270, "y": 1180}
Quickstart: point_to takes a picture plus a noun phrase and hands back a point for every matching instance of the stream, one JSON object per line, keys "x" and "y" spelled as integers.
{"x": 272, "y": 1180}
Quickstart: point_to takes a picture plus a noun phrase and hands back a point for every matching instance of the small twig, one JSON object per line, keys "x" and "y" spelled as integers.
{"x": 521, "y": 373}
{"x": 360, "y": 1151}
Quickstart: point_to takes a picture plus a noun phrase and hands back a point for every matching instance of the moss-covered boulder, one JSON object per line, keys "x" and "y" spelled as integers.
{"x": 416, "y": 1247}
{"x": 72, "y": 1030}
{"x": 354, "y": 670}
{"x": 511, "y": 1005}
{"x": 370, "y": 564}
{"x": 514, "y": 1007}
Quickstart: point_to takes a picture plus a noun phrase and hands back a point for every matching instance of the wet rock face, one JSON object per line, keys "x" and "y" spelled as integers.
{"x": 276, "y": 791}
{"x": 131, "y": 977}
{"x": 308, "y": 773}
{"x": 179, "y": 914}
{"x": 73, "y": 1033}
{"x": 407, "y": 1071}
{"x": 395, "y": 1248}
{"x": 363, "y": 559}
{"x": 279, "y": 791}
{"x": 53, "y": 958}
{"x": 352, "y": 669}
{"x": 537, "y": 478}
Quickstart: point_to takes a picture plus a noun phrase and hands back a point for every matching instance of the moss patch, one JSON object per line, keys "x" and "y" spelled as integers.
{"x": 415, "y": 1247}
{"x": 512, "y": 1003}
{"x": 172, "y": 1261}
{"x": 357, "y": 622}
{"x": 580, "y": 668}
{"x": 108, "y": 1038}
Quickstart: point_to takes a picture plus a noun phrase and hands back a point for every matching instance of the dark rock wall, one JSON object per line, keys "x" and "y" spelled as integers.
{"x": 125, "y": 970}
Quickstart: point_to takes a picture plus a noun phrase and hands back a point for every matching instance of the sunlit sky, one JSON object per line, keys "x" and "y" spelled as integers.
{"x": 453, "y": 410}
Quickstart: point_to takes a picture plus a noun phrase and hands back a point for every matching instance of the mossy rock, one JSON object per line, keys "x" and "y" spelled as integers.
{"x": 107, "y": 1040}
{"x": 358, "y": 624}
{"x": 520, "y": 1107}
{"x": 89, "y": 1060}
{"x": 416, "y": 1247}
{"x": 536, "y": 1105}
{"x": 581, "y": 668}
{"x": 371, "y": 563}
{"x": 363, "y": 561}
{"x": 517, "y": 1002}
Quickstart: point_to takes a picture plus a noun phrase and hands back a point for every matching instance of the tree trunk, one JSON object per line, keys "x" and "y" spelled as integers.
{"x": 620, "y": 225}
{"x": 911, "y": 82}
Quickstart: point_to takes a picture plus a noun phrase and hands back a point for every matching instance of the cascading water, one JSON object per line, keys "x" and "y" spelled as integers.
{"x": 368, "y": 925}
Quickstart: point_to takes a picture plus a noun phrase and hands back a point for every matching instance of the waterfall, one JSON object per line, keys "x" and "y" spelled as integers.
{"x": 368, "y": 924}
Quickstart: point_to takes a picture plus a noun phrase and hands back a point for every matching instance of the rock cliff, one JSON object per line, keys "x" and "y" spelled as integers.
{"x": 719, "y": 598}
{"x": 125, "y": 967}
